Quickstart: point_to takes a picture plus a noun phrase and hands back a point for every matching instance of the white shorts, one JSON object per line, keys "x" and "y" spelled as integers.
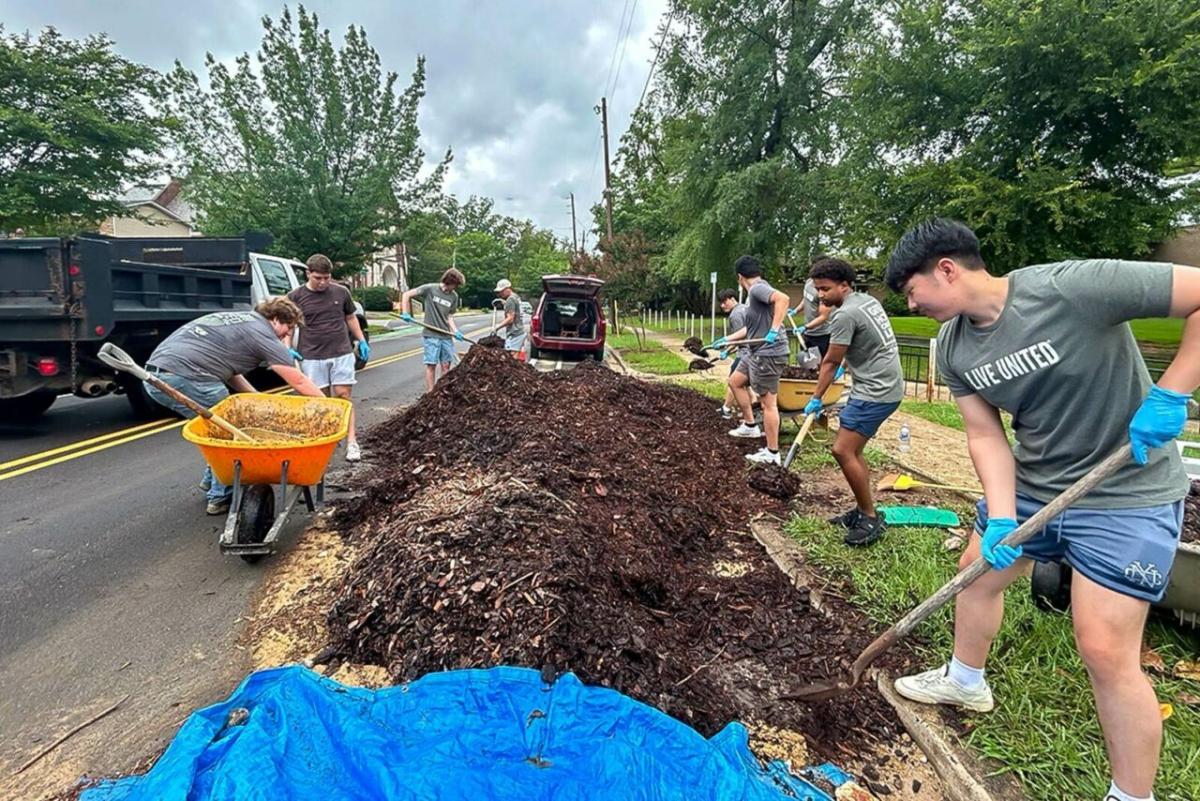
{"x": 338, "y": 371}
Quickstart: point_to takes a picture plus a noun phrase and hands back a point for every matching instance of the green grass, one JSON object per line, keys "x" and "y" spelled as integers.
{"x": 1044, "y": 728}
{"x": 652, "y": 357}
{"x": 940, "y": 412}
{"x": 1149, "y": 331}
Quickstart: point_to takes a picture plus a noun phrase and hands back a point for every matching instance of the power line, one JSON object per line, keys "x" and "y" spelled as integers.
{"x": 654, "y": 63}
{"x": 624, "y": 42}
{"x": 616, "y": 45}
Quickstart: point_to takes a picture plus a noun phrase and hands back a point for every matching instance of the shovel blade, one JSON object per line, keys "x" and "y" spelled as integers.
{"x": 821, "y": 690}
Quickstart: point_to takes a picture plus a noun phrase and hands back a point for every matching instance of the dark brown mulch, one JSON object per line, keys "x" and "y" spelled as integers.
{"x": 699, "y": 364}
{"x": 1191, "y": 514}
{"x": 573, "y": 521}
{"x": 695, "y": 345}
{"x": 806, "y": 373}
{"x": 491, "y": 341}
{"x": 774, "y": 481}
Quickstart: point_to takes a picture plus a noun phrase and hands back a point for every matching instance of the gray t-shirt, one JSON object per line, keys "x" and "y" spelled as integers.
{"x": 438, "y": 306}
{"x": 872, "y": 356}
{"x": 759, "y": 316}
{"x": 512, "y": 305}
{"x": 812, "y": 310}
{"x": 218, "y": 346}
{"x": 737, "y": 319}
{"x": 1062, "y": 359}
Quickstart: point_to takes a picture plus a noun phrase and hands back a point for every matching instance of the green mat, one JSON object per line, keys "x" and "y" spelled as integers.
{"x": 919, "y": 516}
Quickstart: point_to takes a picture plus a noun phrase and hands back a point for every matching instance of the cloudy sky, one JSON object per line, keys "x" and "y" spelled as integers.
{"x": 511, "y": 84}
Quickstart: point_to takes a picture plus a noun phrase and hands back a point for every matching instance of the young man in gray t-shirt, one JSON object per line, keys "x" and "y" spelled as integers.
{"x": 736, "y": 393}
{"x": 1051, "y": 344}
{"x": 514, "y": 320}
{"x": 440, "y": 302}
{"x": 859, "y": 333}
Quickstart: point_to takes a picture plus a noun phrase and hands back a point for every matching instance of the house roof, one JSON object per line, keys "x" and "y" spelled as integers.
{"x": 168, "y": 199}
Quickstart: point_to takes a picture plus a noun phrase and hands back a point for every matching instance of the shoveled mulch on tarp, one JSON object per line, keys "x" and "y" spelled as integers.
{"x": 574, "y": 521}
{"x": 1191, "y": 514}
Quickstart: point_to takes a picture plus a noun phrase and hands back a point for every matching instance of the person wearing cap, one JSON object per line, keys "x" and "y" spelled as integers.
{"x": 513, "y": 322}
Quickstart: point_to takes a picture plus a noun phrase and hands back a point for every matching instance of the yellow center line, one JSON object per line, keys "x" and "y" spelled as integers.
{"x": 39, "y": 461}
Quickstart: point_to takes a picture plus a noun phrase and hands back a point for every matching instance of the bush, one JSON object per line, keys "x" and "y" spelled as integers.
{"x": 895, "y": 304}
{"x": 376, "y": 298}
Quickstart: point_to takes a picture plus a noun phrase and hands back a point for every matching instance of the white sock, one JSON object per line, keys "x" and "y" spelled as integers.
{"x": 964, "y": 675}
{"x": 1115, "y": 793}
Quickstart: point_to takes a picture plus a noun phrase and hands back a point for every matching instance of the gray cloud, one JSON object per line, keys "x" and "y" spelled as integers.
{"x": 511, "y": 86}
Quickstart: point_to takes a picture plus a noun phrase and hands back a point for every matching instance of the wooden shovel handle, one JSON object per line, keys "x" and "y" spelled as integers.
{"x": 444, "y": 331}
{"x": 980, "y": 566}
{"x": 207, "y": 414}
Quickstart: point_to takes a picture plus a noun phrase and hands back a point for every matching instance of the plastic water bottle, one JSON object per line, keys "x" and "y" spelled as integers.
{"x": 905, "y": 438}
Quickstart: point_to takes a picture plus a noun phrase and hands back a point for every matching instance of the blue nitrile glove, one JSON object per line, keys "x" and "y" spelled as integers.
{"x": 364, "y": 350}
{"x": 1157, "y": 421}
{"x": 796, "y": 310}
{"x": 841, "y": 371}
{"x": 723, "y": 354}
{"x": 459, "y": 336}
{"x": 813, "y": 406}
{"x": 295, "y": 354}
{"x": 718, "y": 342}
{"x": 997, "y": 555}
{"x": 408, "y": 318}
{"x": 771, "y": 336}
{"x": 799, "y": 330}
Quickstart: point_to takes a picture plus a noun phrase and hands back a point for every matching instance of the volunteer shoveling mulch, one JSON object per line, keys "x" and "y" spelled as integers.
{"x": 572, "y": 521}
{"x": 1191, "y": 514}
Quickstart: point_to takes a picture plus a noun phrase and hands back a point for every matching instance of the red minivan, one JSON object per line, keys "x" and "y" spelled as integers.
{"x": 569, "y": 319}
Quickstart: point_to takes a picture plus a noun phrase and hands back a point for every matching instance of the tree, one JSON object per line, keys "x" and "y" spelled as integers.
{"x": 315, "y": 146}
{"x": 76, "y": 126}
{"x": 1049, "y": 128}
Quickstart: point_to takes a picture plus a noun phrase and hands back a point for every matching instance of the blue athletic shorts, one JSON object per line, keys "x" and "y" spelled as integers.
{"x": 1129, "y": 551}
{"x": 437, "y": 350}
{"x": 864, "y": 416}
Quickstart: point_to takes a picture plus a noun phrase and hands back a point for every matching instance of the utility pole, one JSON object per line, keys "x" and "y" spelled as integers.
{"x": 574, "y": 235}
{"x": 607, "y": 172}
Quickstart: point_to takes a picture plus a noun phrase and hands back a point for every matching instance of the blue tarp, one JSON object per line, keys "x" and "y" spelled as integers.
{"x": 469, "y": 734}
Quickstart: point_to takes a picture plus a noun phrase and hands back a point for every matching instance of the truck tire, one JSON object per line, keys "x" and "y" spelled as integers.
{"x": 27, "y": 407}
{"x": 144, "y": 407}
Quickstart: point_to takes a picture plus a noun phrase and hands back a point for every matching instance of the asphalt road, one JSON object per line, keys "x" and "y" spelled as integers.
{"x": 111, "y": 584}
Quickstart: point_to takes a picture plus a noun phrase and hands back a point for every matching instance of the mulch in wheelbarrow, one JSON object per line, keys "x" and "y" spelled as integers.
{"x": 588, "y": 522}
{"x": 1191, "y": 514}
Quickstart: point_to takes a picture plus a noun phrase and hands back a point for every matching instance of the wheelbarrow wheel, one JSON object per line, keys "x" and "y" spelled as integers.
{"x": 255, "y": 518}
{"x": 1050, "y": 586}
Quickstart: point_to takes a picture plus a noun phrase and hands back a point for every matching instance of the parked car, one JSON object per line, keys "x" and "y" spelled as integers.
{"x": 569, "y": 319}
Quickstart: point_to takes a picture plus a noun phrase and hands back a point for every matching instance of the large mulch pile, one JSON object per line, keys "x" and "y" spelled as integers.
{"x": 1191, "y": 514}
{"x": 588, "y": 522}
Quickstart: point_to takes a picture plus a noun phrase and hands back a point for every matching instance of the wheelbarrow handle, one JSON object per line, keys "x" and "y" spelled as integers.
{"x": 118, "y": 359}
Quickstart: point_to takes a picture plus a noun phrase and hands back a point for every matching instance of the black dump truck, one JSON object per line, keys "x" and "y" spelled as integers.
{"x": 60, "y": 299}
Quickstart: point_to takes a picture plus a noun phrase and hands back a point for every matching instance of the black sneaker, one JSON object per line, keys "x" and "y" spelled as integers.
{"x": 865, "y": 530}
{"x": 846, "y": 519}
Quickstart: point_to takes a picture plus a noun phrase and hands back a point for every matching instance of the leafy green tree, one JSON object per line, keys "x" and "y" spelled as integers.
{"x": 76, "y": 126}
{"x": 1048, "y": 127}
{"x": 315, "y": 145}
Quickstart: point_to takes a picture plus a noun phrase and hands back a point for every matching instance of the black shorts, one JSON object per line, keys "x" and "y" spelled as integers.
{"x": 818, "y": 341}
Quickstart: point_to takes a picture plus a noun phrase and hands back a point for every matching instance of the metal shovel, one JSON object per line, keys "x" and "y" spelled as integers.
{"x": 118, "y": 359}
{"x": 824, "y": 690}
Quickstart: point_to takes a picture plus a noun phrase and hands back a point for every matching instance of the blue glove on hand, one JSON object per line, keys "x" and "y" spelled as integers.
{"x": 459, "y": 336}
{"x": 408, "y": 318}
{"x": 812, "y": 407}
{"x": 1158, "y": 420}
{"x": 723, "y": 354}
{"x": 841, "y": 371}
{"x": 295, "y": 354}
{"x": 364, "y": 350}
{"x": 997, "y": 555}
{"x": 799, "y": 330}
{"x": 772, "y": 335}
{"x": 796, "y": 310}
{"x": 718, "y": 342}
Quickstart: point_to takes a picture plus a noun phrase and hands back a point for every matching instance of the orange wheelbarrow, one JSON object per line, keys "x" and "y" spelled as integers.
{"x": 294, "y": 439}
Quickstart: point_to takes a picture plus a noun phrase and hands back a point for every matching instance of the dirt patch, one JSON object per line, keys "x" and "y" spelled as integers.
{"x": 802, "y": 373}
{"x": 1191, "y": 514}
{"x": 582, "y": 535}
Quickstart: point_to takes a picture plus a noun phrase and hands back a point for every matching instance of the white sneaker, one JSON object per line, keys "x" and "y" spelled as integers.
{"x": 936, "y": 687}
{"x": 764, "y": 456}
{"x": 353, "y": 453}
{"x": 747, "y": 431}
